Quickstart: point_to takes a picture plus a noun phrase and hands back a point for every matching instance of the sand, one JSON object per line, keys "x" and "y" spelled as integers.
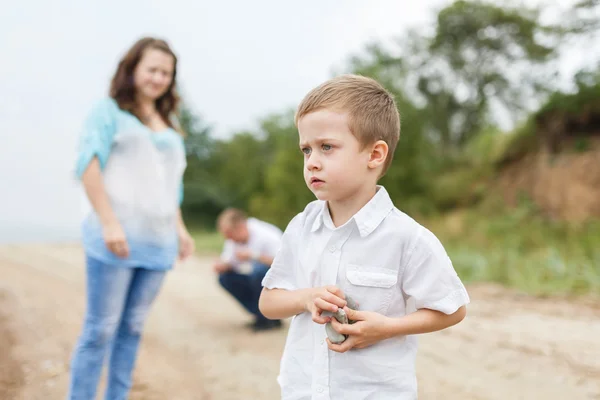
{"x": 195, "y": 346}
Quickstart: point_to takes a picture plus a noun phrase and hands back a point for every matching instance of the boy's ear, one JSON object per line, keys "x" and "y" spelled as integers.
{"x": 379, "y": 153}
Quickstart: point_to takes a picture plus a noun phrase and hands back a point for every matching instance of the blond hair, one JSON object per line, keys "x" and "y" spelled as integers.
{"x": 372, "y": 111}
{"x": 230, "y": 217}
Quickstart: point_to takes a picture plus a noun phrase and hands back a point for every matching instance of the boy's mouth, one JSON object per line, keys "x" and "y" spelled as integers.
{"x": 315, "y": 180}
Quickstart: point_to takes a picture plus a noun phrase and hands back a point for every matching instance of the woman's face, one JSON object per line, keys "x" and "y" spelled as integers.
{"x": 153, "y": 74}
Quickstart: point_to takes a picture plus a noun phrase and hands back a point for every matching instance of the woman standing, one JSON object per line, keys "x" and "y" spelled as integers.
{"x": 131, "y": 162}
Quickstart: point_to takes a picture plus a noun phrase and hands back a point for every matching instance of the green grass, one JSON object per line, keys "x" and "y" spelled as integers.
{"x": 207, "y": 242}
{"x": 523, "y": 250}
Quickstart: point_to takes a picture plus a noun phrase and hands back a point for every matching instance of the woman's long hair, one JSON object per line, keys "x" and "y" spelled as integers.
{"x": 122, "y": 87}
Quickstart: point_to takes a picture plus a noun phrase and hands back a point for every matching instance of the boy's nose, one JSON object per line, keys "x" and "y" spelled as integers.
{"x": 312, "y": 163}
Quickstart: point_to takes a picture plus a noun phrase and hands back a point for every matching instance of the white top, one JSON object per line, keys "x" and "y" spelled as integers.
{"x": 263, "y": 238}
{"x": 386, "y": 262}
{"x": 142, "y": 173}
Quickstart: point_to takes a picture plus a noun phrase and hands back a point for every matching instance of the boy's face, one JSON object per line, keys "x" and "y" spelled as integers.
{"x": 335, "y": 166}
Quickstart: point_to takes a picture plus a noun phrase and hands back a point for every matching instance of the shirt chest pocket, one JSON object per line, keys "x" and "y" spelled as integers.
{"x": 371, "y": 287}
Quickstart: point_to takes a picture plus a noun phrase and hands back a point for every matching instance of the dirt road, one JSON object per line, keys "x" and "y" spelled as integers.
{"x": 195, "y": 346}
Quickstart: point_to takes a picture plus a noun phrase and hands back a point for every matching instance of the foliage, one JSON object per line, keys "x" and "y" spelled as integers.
{"x": 587, "y": 95}
{"x": 480, "y": 57}
{"x": 585, "y": 100}
{"x": 547, "y": 257}
{"x": 583, "y": 18}
{"x": 480, "y": 60}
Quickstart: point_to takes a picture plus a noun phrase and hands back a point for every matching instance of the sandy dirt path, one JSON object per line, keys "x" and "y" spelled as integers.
{"x": 195, "y": 346}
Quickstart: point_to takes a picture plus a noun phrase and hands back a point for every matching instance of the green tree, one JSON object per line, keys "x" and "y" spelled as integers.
{"x": 199, "y": 142}
{"x": 241, "y": 168}
{"x": 284, "y": 193}
{"x": 449, "y": 84}
{"x": 202, "y": 192}
{"x": 584, "y": 17}
{"x": 480, "y": 57}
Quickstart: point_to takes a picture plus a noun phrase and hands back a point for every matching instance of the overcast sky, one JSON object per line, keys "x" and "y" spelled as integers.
{"x": 239, "y": 61}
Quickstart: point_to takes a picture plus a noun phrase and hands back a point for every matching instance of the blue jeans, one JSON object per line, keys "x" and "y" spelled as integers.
{"x": 118, "y": 301}
{"x": 246, "y": 288}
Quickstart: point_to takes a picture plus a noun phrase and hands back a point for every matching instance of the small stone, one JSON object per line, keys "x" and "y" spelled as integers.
{"x": 333, "y": 335}
{"x": 341, "y": 316}
{"x": 351, "y": 303}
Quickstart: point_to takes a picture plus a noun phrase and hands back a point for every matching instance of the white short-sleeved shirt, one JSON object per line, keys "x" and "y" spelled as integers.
{"x": 263, "y": 238}
{"x": 388, "y": 263}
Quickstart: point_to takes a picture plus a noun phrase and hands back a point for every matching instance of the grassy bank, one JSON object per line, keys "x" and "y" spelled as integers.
{"x": 523, "y": 250}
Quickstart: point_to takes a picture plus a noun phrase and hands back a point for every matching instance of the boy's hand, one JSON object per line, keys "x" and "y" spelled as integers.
{"x": 369, "y": 328}
{"x": 328, "y": 298}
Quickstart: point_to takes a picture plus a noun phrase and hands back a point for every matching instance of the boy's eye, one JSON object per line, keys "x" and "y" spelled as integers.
{"x": 305, "y": 150}
{"x": 326, "y": 147}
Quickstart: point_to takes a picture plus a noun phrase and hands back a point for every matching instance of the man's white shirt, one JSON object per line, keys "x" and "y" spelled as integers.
{"x": 263, "y": 239}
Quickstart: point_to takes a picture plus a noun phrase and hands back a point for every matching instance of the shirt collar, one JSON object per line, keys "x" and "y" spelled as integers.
{"x": 366, "y": 219}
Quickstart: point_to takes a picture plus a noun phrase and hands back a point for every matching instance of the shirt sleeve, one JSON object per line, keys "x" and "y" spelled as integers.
{"x": 282, "y": 274}
{"x": 430, "y": 279}
{"x": 97, "y": 135}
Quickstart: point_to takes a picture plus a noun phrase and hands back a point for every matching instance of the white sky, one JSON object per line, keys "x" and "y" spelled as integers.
{"x": 239, "y": 61}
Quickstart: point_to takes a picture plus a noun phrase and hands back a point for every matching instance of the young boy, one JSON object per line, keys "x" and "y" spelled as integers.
{"x": 353, "y": 242}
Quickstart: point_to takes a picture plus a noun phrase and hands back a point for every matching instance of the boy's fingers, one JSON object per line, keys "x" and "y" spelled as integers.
{"x": 325, "y": 306}
{"x": 342, "y": 347}
{"x": 316, "y": 313}
{"x": 333, "y": 299}
{"x": 336, "y": 290}
{"x": 318, "y": 318}
{"x": 345, "y": 329}
{"x": 354, "y": 315}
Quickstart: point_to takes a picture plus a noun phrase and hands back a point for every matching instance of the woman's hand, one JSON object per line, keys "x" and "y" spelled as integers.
{"x": 115, "y": 240}
{"x": 186, "y": 245}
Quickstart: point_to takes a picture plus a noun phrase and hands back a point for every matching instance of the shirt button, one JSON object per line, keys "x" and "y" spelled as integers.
{"x": 332, "y": 249}
{"x": 320, "y": 389}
